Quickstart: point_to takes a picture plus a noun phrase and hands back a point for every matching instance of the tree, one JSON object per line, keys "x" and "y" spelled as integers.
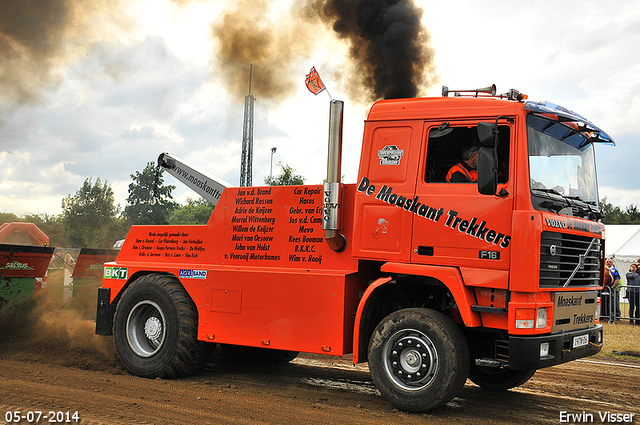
{"x": 90, "y": 216}
{"x": 52, "y": 225}
{"x": 8, "y": 218}
{"x": 287, "y": 177}
{"x": 149, "y": 200}
{"x": 195, "y": 212}
{"x": 633, "y": 214}
{"x": 615, "y": 214}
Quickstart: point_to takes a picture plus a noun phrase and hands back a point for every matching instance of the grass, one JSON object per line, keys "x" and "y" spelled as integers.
{"x": 621, "y": 337}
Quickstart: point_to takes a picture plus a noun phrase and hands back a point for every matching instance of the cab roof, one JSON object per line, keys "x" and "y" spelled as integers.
{"x": 427, "y": 108}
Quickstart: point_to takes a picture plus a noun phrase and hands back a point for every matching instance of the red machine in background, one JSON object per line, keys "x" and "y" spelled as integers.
{"x": 24, "y": 258}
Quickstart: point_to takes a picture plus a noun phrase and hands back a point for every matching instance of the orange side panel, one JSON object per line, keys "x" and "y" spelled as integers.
{"x": 250, "y": 227}
{"x": 487, "y": 278}
{"x": 260, "y": 271}
{"x": 281, "y": 227}
{"x": 289, "y": 310}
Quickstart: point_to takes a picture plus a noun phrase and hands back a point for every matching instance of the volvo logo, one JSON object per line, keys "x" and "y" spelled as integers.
{"x": 552, "y": 250}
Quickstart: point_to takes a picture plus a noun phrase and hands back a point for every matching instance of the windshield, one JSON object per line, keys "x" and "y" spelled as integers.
{"x": 561, "y": 166}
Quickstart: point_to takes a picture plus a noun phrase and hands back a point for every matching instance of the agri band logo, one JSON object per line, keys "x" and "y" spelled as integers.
{"x": 115, "y": 272}
{"x": 193, "y": 274}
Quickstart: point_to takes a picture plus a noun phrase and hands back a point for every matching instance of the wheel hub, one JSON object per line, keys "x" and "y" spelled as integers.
{"x": 145, "y": 328}
{"x": 153, "y": 328}
{"x": 411, "y": 359}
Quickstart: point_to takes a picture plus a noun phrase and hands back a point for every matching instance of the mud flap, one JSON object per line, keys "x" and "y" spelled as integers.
{"x": 105, "y": 312}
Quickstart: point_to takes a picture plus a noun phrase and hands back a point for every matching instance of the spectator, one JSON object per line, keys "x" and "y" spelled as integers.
{"x": 605, "y": 295}
{"x": 633, "y": 294}
{"x": 615, "y": 293}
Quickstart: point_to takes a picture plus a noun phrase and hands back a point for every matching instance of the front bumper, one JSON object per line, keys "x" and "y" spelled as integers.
{"x": 524, "y": 351}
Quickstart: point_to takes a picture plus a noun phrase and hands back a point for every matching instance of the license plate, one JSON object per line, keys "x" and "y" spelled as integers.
{"x": 580, "y": 341}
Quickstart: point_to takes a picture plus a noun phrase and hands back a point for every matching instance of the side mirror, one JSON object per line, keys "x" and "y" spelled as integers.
{"x": 487, "y": 134}
{"x": 487, "y": 174}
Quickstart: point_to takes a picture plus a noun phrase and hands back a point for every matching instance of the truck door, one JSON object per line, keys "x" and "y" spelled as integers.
{"x": 390, "y": 156}
{"x": 453, "y": 223}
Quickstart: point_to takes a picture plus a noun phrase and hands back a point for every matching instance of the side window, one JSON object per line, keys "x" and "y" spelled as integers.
{"x": 446, "y": 146}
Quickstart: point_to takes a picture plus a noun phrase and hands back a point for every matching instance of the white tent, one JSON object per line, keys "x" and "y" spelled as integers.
{"x": 622, "y": 245}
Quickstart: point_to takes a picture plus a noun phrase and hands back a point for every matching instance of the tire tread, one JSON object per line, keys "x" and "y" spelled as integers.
{"x": 190, "y": 356}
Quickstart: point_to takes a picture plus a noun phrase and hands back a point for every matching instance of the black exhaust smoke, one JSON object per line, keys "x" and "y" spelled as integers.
{"x": 389, "y": 51}
{"x": 388, "y": 41}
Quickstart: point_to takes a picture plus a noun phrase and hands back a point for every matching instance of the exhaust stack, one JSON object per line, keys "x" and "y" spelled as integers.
{"x": 332, "y": 208}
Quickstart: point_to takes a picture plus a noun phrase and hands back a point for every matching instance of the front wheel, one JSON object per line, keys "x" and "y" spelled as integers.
{"x": 155, "y": 329}
{"x": 499, "y": 379}
{"x": 418, "y": 359}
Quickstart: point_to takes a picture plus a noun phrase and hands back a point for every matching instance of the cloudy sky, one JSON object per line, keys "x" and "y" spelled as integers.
{"x": 96, "y": 89}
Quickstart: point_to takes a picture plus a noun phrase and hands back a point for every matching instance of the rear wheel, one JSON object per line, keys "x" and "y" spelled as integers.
{"x": 418, "y": 359}
{"x": 494, "y": 379}
{"x": 155, "y": 329}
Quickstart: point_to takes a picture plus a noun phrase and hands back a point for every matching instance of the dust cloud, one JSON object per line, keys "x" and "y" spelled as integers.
{"x": 55, "y": 333}
{"x": 389, "y": 52}
{"x": 389, "y": 49}
{"x": 247, "y": 36}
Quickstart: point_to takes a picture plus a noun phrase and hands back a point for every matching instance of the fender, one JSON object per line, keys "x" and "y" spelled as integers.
{"x": 452, "y": 279}
{"x": 363, "y": 302}
{"x": 450, "y": 276}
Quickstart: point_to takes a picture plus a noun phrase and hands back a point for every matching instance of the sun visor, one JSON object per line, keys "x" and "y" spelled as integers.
{"x": 586, "y": 127}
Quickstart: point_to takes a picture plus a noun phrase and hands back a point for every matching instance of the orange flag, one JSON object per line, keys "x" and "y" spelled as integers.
{"x": 313, "y": 81}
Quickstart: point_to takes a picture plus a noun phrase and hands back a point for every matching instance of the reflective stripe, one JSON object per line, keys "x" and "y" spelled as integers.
{"x": 460, "y": 168}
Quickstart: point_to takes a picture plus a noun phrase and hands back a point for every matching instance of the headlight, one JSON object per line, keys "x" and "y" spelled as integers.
{"x": 542, "y": 318}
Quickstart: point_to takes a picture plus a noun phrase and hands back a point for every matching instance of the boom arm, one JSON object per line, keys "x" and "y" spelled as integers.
{"x": 207, "y": 186}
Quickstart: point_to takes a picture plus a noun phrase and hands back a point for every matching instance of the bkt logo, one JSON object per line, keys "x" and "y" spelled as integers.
{"x": 193, "y": 274}
{"x": 115, "y": 272}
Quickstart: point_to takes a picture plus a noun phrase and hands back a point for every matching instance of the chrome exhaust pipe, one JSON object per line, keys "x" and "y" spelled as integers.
{"x": 332, "y": 208}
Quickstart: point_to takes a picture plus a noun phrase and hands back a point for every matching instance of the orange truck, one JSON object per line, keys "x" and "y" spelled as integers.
{"x": 428, "y": 281}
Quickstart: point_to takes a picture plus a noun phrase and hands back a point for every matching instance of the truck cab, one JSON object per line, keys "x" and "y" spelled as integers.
{"x": 517, "y": 255}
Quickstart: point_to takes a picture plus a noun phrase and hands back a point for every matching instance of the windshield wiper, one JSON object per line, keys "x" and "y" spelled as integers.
{"x": 588, "y": 208}
{"x": 547, "y": 190}
{"x": 573, "y": 201}
{"x": 552, "y": 202}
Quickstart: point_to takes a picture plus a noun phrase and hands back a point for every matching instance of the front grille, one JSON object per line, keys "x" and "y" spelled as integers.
{"x": 560, "y": 254}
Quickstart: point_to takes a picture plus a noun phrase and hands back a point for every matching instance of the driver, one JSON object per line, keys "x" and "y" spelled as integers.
{"x": 466, "y": 170}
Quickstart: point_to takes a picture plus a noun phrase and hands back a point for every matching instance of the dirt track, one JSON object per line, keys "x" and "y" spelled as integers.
{"x": 79, "y": 371}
